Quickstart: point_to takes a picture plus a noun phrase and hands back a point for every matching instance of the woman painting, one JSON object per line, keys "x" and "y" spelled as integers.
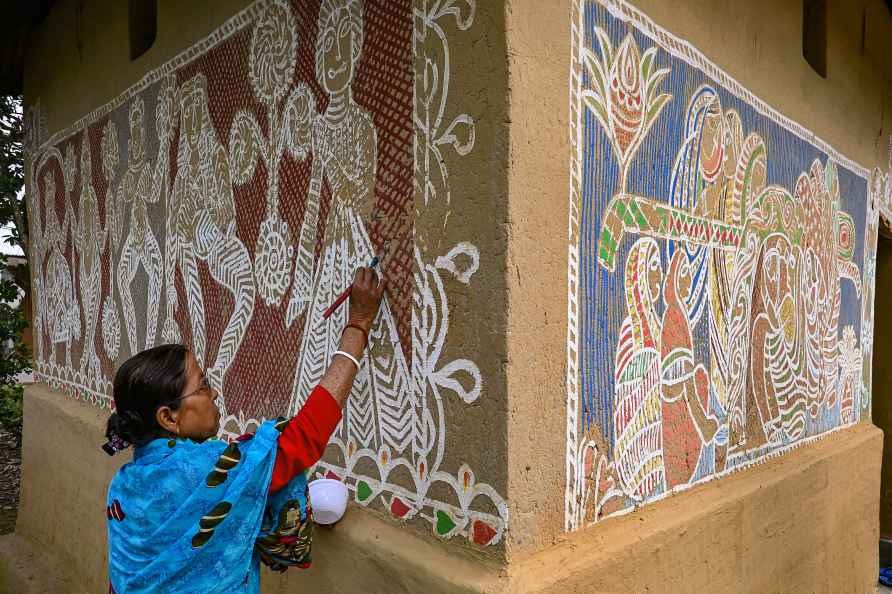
{"x": 193, "y": 514}
{"x": 345, "y": 156}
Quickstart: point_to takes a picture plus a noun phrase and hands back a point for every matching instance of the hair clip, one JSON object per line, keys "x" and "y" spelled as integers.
{"x": 115, "y": 444}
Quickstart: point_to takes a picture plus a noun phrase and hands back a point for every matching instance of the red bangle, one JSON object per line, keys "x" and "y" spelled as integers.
{"x": 365, "y": 333}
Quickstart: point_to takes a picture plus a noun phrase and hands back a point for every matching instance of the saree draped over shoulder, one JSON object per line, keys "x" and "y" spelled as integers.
{"x": 186, "y": 516}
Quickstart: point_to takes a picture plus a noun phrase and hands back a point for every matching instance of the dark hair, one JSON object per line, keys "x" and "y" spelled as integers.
{"x": 145, "y": 382}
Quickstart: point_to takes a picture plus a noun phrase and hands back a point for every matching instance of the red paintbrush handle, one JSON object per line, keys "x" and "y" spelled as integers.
{"x": 341, "y": 298}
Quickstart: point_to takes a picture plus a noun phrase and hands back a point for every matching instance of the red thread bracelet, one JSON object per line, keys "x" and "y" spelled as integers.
{"x": 365, "y": 333}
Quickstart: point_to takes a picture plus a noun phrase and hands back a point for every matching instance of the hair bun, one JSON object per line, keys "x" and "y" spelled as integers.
{"x": 127, "y": 425}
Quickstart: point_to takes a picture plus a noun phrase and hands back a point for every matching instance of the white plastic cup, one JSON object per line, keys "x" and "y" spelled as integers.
{"x": 329, "y": 500}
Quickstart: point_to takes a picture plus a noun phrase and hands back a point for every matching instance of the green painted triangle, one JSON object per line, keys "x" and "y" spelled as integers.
{"x": 444, "y": 523}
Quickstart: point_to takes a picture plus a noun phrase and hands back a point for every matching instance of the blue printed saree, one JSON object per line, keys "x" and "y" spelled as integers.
{"x": 198, "y": 517}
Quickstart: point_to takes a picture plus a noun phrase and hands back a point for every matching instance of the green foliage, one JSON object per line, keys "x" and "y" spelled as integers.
{"x": 14, "y": 355}
{"x": 11, "y": 408}
{"x": 12, "y": 171}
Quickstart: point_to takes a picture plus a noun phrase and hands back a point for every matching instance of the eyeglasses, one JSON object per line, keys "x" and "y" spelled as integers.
{"x": 203, "y": 387}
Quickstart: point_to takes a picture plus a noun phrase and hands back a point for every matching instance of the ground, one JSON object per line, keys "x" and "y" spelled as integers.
{"x": 10, "y": 472}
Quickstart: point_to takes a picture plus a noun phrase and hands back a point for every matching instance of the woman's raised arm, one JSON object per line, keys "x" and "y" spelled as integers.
{"x": 365, "y": 300}
{"x": 303, "y": 441}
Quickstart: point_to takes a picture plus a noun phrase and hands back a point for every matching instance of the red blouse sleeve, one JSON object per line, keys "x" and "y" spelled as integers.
{"x": 303, "y": 440}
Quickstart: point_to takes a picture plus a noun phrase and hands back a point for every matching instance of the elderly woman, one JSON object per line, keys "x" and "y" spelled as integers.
{"x": 194, "y": 514}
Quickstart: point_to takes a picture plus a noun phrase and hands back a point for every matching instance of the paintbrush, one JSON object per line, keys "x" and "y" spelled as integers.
{"x": 343, "y": 296}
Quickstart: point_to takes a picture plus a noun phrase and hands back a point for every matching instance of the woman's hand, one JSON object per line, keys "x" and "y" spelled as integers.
{"x": 365, "y": 301}
{"x": 365, "y": 298}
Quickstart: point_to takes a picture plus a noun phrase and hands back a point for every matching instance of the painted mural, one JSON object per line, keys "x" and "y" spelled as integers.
{"x": 721, "y": 272}
{"x": 226, "y": 199}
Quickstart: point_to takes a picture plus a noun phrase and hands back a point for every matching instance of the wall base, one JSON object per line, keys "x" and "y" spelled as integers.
{"x": 65, "y": 477}
{"x": 804, "y": 522}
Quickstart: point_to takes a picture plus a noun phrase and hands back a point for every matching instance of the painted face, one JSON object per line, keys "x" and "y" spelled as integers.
{"x": 712, "y": 145}
{"x": 654, "y": 276}
{"x": 192, "y": 115}
{"x": 198, "y": 417}
{"x": 136, "y": 140}
{"x": 337, "y": 53}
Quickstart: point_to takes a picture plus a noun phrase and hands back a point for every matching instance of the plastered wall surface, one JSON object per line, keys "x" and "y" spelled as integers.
{"x": 478, "y": 323}
{"x": 225, "y": 198}
{"x": 802, "y": 522}
{"x": 62, "y": 486}
{"x": 535, "y": 263}
{"x": 764, "y": 56}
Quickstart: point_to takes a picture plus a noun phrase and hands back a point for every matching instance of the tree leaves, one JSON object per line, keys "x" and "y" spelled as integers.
{"x": 12, "y": 172}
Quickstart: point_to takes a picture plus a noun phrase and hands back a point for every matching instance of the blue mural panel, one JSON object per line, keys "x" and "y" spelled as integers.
{"x": 717, "y": 272}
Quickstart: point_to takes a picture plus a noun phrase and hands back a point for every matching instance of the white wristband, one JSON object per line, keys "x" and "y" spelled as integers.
{"x": 349, "y": 356}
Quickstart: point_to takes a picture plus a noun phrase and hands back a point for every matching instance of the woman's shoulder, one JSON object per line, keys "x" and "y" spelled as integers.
{"x": 166, "y": 465}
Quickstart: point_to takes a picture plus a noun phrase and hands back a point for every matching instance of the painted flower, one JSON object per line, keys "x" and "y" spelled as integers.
{"x": 272, "y": 266}
{"x": 623, "y": 94}
{"x": 245, "y": 146}
{"x": 273, "y": 52}
{"x": 300, "y": 113}
{"x": 111, "y": 329}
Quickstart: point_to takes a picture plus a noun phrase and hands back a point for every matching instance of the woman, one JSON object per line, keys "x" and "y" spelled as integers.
{"x": 193, "y": 514}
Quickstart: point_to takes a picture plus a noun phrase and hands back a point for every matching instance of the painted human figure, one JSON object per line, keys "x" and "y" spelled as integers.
{"x": 696, "y": 180}
{"x": 62, "y": 314}
{"x": 89, "y": 238}
{"x": 140, "y": 186}
{"x": 345, "y": 155}
{"x": 637, "y": 409}
{"x": 684, "y": 385}
{"x": 775, "y": 403}
{"x": 201, "y": 226}
{"x": 823, "y": 268}
{"x": 38, "y": 278}
{"x": 875, "y": 195}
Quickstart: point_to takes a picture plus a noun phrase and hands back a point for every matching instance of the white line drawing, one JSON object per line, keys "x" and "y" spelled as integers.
{"x": 62, "y": 315}
{"x": 400, "y": 426}
{"x": 271, "y": 70}
{"x": 111, "y": 321}
{"x": 201, "y": 225}
{"x": 89, "y": 238}
{"x": 143, "y": 184}
{"x": 344, "y": 151}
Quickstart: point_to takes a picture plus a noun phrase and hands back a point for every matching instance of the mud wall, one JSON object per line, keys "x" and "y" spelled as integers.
{"x": 221, "y": 190}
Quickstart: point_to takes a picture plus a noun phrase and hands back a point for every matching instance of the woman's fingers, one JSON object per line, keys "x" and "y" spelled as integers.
{"x": 366, "y": 296}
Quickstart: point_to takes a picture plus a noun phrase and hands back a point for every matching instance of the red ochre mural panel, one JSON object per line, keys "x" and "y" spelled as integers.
{"x": 227, "y": 199}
